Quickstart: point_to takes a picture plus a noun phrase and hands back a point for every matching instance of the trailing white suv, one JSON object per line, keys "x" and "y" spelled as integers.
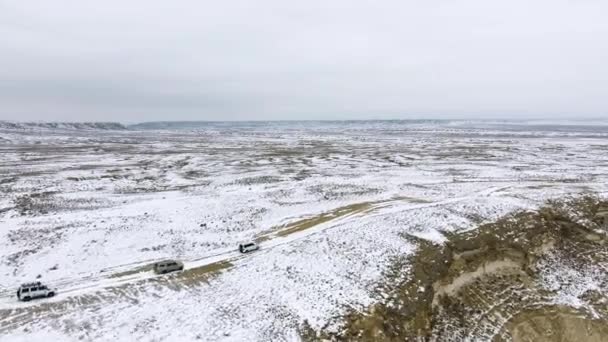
{"x": 35, "y": 290}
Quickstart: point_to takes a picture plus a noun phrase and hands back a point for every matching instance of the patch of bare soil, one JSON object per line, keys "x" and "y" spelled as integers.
{"x": 351, "y": 209}
{"x": 549, "y": 324}
{"x": 197, "y": 275}
{"x": 257, "y": 180}
{"x": 322, "y": 218}
{"x": 311, "y": 222}
{"x": 144, "y": 268}
{"x": 41, "y": 203}
{"x": 522, "y": 278}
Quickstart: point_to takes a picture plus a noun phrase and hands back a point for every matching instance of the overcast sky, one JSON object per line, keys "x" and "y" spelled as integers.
{"x": 146, "y": 60}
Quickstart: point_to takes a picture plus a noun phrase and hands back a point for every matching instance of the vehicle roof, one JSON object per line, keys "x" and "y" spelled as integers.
{"x": 31, "y": 284}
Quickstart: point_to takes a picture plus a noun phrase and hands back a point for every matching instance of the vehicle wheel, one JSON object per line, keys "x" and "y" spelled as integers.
{"x": 50, "y": 294}
{"x": 26, "y": 299}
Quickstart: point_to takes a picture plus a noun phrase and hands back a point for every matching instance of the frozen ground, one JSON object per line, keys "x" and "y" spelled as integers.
{"x": 88, "y": 209}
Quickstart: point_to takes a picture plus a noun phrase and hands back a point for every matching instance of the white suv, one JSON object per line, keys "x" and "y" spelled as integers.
{"x": 248, "y": 247}
{"x": 168, "y": 266}
{"x": 33, "y": 290}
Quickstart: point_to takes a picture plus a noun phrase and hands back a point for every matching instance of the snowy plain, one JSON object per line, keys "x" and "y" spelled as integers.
{"x": 87, "y": 210}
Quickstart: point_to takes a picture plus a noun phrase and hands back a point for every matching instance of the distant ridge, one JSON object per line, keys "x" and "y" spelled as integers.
{"x": 545, "y": 125}
{"x": 62, "y": 125}
{"x": 558, "y": 125}
{"x": 161, "y": 125}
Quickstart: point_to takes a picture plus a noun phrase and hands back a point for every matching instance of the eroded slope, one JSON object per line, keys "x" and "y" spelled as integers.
{"x": 531, "y": 276}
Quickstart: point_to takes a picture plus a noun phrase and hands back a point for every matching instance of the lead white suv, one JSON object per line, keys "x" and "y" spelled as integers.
{"x": 29, "y": 291}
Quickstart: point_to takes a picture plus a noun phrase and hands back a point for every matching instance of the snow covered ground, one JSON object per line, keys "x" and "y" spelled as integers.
{"x": 87, "y": 210}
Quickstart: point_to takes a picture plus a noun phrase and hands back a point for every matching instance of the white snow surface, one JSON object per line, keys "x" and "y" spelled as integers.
{"x": 86, "y": 209}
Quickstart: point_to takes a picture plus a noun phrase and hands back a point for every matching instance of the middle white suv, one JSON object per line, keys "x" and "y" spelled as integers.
{"x": 248, "y": 247}
{"x": 168, "y": 266}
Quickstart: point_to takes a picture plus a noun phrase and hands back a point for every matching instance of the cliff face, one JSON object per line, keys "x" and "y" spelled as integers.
{"x": 531, "y": 276}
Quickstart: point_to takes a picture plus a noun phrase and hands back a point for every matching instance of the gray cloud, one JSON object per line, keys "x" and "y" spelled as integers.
{"x": 191, "y": 60}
